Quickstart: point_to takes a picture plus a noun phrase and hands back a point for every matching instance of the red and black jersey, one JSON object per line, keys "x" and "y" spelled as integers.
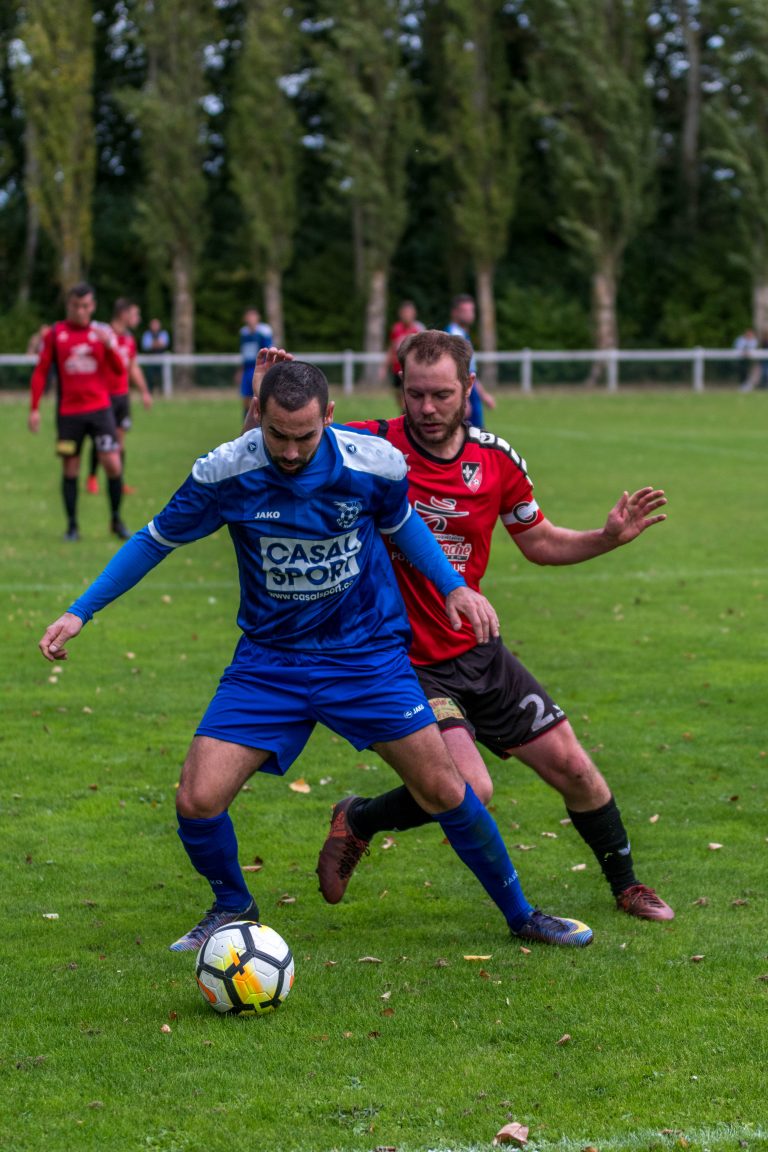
{"x": 118, "y": 382}
{"x": 460, "y": 500}
{"x": 81, "y": 360}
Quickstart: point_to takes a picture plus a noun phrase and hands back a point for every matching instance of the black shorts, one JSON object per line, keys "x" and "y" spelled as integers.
{"x": 100, "y": 425}
{"x": 121, "y": 406}
{"x": 492, "y": 695}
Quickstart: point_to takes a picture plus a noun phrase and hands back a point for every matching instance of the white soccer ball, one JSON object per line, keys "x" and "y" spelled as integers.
{"x": 245, "y": 968}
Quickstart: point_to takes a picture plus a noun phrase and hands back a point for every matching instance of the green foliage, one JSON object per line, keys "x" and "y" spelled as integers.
{"x": 170, "y": 217}
{"x": 657, "y": 652}
{"x": 264, "y": 134}
{"x": 593, "y": 108}
{"x": 736, "y": 127}
{"x": 54, "y": 79}
{"x": 482, "y": 115}
{"x": 372, "y": 119}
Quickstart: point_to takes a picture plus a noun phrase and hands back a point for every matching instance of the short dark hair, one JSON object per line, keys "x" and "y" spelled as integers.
{"x": 462, "y": 298}
{"x": 80, "y": 291}
{"x": 122, "y": 304}
{"x": 430, "y": 346}
{"x": 293, "y": 385}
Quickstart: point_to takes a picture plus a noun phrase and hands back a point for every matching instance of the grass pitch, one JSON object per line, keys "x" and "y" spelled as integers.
{"x": 658, "y": 653}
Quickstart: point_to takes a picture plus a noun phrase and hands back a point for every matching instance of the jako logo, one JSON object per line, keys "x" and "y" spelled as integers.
{"x": 267, "y": 516}
{"x": 413, "y": 711}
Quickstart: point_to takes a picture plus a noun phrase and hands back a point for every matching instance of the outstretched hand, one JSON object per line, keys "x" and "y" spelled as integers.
{"x": 632, "y": 514}
{"x": 476, "y": 609}
{"x": 57, "y": 635}
{"x": 266, "y": 359}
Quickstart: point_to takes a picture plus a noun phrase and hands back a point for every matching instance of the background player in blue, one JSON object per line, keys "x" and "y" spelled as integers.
{"x": 254, "y": 335}
{"x": 323, "y": 626}
{"x": 462, "y": 319}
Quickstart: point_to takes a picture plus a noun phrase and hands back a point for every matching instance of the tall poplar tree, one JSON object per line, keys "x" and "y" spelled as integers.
{"x": 736, "y": 129}
{"x": 169, "y": 113}
{"x": 593, "y": 107}
{"x": 54, "y": 80}
{"x": 482, "y": 133}
{"x": 371, "y": 127}
{"x": 265, "y": 143}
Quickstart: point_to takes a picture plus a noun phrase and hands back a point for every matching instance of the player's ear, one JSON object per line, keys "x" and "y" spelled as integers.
{"x": 328, "y": 418}
{"x": 472, "y": 378}
{"x": 256, "y": 411}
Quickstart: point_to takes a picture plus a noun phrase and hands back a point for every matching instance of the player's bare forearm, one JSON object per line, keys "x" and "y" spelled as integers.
{"x": 476, "y": 609}
{"x": 58, "y": 634}
{"x": 549, "y": 544}
{"x": 139, "y": 381}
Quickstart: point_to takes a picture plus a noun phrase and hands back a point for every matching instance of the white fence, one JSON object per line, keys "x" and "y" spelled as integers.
{"x": 526, "y": 359}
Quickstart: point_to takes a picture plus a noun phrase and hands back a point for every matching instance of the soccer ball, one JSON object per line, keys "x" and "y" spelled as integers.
{"x": 245, "y": 968}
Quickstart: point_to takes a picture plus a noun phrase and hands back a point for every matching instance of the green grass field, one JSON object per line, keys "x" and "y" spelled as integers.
{"x": 659, "y": 655}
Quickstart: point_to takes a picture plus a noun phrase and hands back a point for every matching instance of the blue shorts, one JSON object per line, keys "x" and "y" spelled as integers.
{"x": 246, "y": 380}
{"x": 272, "y": 700}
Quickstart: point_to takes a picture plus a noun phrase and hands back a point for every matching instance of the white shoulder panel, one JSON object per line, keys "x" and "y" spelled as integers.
{"x": 232, "y": 459}
{"x": 365, "y": 453}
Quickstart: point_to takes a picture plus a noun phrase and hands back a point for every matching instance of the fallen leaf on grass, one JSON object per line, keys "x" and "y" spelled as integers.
{"x": 589, "y": 1148}
{"x": 50, "y": 915}
{"x": 566, "y": 821}
{"x": 512, "y": 1134}
{"x": 714, "y": 847}
{"x": 374, "y": 1035}
{"x": 524, "y": 847}
{"x": 257, "y": 865}
{"x": 653, "y": 819}
{"x": 525, "y": 951}
{"x": 299, "y": 785}
{"x": 93, "y": 787}
{"x": 484, "y": 975}
{"x": 326, "y": 779}
{"x": 549, "y": 835}
{"x": 165, "y": 1028}
{"x": 440, "y": 963}
{"x": 387, "y": 1011}
{"x": 331, "y": 963}
{"x": 739, "y": 903}
{"x": 369, "y": 960}
{"x": 96, "y": 1104}
{"x": 385, "y": 996}
{"x": 479, "y": 957}
{"x": 286, "y": 898}
{"x": 564, "y": 1039}
{"x": 764, "y": 977}
{"x": 88, "y": 711}
{"x": 579, "y": 868}
{"x": 702, "y": 902}
{"x": 388, "y": 842}
{"x": 697, "y": 959}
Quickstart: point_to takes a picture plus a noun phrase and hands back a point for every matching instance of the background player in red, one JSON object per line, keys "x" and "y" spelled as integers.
{"x": 125, "y": 317}
{"x": 406, "y": 324}
{"x": 80, "y": 353}
{"x": 461, "y": 480}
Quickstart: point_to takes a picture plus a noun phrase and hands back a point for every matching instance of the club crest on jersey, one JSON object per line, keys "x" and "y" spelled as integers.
{"x": 472, "y": 474}
{"x": 349, "y": 510}
{"x": 438, "y": 512}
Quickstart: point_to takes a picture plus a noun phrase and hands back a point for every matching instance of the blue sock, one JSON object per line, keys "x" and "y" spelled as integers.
{"x": 211, "y": 845}
{"x": 477, "y": 841}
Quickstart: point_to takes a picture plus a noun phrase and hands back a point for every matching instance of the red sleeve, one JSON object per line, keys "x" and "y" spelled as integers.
{"x": 519, "y": 510}
{"x": 41, "y": 369}
{"x": 364, "y": 425}
{"x": 114, "y": 359}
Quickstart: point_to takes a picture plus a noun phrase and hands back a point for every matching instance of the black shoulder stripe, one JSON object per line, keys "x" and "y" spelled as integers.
{"x": 491, "y": 440}
{"x": 383, "y": 428}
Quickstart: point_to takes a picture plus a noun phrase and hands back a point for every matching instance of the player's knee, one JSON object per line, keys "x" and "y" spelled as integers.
{"x": 195, "y": 803}
{"x": 483, "y": 789}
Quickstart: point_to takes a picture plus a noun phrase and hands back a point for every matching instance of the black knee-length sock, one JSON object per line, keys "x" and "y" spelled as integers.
{"x": 603, "y": 830}
{"x": 394, "y": 811}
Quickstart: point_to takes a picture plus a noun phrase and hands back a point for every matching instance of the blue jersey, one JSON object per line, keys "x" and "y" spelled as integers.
{"x": 314, "y": 572}
{"x": 475, "y": 403}
{"x": 252, "y": 340}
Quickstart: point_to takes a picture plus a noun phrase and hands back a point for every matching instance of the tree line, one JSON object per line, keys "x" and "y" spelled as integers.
{"x": 593, "y": 171}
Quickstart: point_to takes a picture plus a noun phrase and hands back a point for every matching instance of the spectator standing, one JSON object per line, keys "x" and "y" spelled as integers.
{"x": 154, "y": 342}
{"x": 747, "y": 344}
{"x": 406, "y": 324}
{"x": 254, "y": 335}
{"x": 462, "y": 319}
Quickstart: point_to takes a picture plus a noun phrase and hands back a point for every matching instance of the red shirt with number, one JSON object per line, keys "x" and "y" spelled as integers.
{"x": 81, "y": 360}
{"x": 460, "y": 500}
{"x": 118, "y": 382}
